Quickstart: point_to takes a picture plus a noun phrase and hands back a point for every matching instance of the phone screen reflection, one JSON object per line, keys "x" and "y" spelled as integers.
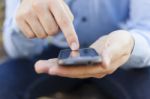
{"x": 74, "y": 54}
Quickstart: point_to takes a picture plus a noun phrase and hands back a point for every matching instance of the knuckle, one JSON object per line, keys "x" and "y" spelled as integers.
{"x": 53, "y": 31}
{"x": 49, "y": 32}
{"x": 56, "y": 28}
{"x": 27, "y": 13}
{"x": 42, "y": 36}
{"x": 37, "y": 4}
{"x": 30, "y": 36}
{"x": 19, "y": 17}
{"x": 24, "y": 13}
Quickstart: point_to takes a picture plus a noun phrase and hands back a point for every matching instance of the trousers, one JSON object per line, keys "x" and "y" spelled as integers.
{"x": 18, "y": 80}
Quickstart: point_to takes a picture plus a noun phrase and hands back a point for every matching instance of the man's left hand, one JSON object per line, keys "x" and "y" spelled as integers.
{"x": 114, "y": 48}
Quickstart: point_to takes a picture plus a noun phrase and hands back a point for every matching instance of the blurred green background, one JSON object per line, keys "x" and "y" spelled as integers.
{"x": 1, "y": 13}
{"x": 2, "y": 8}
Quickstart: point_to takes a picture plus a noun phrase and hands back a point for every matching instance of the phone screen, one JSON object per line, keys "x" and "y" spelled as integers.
{"x": 86, "y": 52}
{"x": 82, "y": 56}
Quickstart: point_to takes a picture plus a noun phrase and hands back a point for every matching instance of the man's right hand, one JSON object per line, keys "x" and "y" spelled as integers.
{"x": 43, "y": 18}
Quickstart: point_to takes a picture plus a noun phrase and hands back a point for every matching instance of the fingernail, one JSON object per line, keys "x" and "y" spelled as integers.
{"x": 74, "y": 46}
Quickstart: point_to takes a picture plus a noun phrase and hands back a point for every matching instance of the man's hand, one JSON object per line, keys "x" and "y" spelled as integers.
{"x": 42, "y": 18}
{"x": 115, "y": 49}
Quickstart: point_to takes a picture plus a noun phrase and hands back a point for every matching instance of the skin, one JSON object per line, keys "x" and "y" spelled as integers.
{"x": 115, "y": 49}
{"x": 43, "y": 18}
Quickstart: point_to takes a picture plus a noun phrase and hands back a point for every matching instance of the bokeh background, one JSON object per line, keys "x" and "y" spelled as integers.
{"x": 2, "y": 52}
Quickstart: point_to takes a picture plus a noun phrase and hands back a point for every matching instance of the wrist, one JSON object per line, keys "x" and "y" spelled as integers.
{"x": 125, "y": 37}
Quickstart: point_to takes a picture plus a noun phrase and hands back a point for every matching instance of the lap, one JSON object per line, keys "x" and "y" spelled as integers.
{"x": 127, "y": 84}
{"x": 18, "y": 78}
{"x": 15, "y": 75}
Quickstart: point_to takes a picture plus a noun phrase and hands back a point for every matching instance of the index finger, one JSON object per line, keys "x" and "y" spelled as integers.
{"x": 65, "y": 23}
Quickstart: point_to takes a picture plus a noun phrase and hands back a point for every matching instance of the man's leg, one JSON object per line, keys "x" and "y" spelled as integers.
{"x": 127, "y": 84}
{"x": 18, "y": 78}
{"x": 15, "y": 76}
{"x": 49, "y": 85}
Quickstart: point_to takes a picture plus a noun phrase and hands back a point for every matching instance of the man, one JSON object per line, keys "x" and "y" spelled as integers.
{"x": 118, "y": 30}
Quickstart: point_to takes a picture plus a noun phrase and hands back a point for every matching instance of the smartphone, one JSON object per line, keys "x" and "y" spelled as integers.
{"x": 84, "y": 56}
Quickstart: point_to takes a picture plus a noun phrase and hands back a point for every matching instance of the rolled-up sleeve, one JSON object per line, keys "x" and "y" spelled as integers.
{"x": 138, "y": 25}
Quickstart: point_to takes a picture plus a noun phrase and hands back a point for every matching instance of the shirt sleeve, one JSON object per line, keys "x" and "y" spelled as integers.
{"x": 139, "y": 26}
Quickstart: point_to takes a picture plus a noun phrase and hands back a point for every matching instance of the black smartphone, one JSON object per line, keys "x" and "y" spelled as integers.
{"x": 84, "y": 56}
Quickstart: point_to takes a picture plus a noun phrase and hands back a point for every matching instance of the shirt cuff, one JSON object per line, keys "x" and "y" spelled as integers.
{"x": 140, "y": 56}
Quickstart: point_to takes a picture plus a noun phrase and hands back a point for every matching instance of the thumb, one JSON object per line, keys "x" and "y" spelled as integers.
{"x": 42, "y": 66}
{"x": 106, "y": 57}
{"x": 111, "y": 52}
